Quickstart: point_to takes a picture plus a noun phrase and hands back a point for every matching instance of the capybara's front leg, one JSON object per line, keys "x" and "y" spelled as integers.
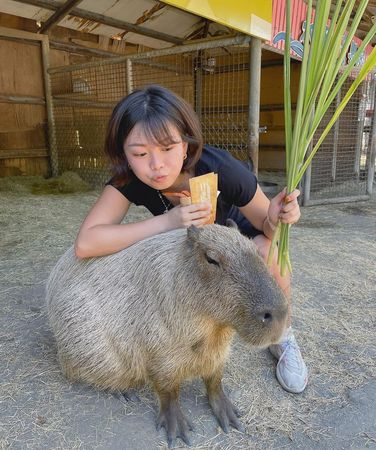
{"x": 171, "y": 416}
{"x": 225, "y": 412}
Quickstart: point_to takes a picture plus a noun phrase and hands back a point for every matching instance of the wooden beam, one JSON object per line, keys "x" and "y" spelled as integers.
{"x": 63, "y": 46}
{"x": 59, "y": 14}
{"x": 66, "y": 100}
{"x": 19, "y": 34}
{"x": 23, "y": 153}
{"x": 105, "y": 20}
{"x": 19, "y": 99}
{"x": 81, "y": 49}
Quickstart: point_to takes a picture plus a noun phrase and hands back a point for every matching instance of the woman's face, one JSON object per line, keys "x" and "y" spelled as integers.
{"x": 154, "y": 164}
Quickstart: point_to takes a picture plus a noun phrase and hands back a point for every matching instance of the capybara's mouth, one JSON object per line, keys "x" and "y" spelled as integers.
{"x": 264, "y": 338}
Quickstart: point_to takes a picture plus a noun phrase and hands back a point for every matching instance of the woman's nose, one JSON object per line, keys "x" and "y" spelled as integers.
{"x": 156, "y": 162}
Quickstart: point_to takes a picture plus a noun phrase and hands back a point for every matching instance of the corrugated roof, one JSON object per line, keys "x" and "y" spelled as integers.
{"x": 368, "y": 19}
{"x": 148, "y": 14}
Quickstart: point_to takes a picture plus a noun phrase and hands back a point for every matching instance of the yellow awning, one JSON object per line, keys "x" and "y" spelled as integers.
{"x": 252, "y": 17}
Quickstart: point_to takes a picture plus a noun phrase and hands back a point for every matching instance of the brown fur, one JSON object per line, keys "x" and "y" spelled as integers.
{"x": 163, "y": 310}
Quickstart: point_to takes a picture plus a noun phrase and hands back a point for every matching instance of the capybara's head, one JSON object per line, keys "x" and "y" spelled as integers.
{"x": 238, "y": 288}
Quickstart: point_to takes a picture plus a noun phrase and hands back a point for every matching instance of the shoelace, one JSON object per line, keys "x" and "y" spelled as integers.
{"x": 292, "y": 353}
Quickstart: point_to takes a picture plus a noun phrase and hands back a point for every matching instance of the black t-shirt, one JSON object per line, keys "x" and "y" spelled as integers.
{"x": 236, "y": 185}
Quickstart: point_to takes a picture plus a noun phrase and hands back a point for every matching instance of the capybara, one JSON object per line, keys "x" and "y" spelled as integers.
{"x": 162, "y": 311}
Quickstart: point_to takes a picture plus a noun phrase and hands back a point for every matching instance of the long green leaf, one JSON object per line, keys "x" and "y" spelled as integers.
{"x": 287, "y": 84}
{"x": 324, "y": 54}
{"x": 318, "y": 37}
{"x": 324, "y": 86}
{"x": 334, "y": 90}
{"x": 369, "y": 65}
{"x": 299, "y": 107}
{"x": 309, "y": 97}
{"x": 334, "y": 68}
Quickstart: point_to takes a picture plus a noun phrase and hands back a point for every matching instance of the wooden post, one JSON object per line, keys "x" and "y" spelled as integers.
{"x": 307, "y": 177}
{"x": 307, "y": 180}
{"x": 335, "y": 140}
{"x": 254, "y": 101}
{"x": 360, "y": 129}
{"x": 53, "y": 155}
{"x": 198, "y": 85}
{"x": 129, "y": 77}
{"x": 372, "y": 144}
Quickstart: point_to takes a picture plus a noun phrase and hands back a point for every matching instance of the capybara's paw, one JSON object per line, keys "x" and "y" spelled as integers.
{"x": 226, "y": 413}
{"x": 130, "y": 395}
{"x": 175, "y": 424}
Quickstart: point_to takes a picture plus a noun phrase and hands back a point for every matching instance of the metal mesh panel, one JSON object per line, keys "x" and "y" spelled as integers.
{"x": 213, "y": 81}
{"x": 339, "y": 168}
{"x": 83, "y": 101}
{"x": 225, "y": 103}
{"x": 216, "y": 82}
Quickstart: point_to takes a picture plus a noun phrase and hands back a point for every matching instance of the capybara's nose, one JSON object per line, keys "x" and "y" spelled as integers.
{"x": 271, "y": 316}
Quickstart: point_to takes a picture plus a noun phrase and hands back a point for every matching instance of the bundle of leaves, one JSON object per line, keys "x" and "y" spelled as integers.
{"x": 321, "y": 77}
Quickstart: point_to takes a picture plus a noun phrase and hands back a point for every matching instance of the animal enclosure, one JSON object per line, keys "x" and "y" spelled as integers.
{"x": 214, "y": 76}
{"x": 215, "y": 81}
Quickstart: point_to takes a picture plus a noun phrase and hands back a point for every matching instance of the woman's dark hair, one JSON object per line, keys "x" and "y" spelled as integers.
{"x": 154, "y": 108}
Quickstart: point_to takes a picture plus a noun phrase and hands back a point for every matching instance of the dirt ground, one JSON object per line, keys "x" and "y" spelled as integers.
{"x": 333, "y": 251}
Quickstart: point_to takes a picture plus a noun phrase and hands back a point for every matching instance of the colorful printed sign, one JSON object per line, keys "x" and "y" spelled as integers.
{"x": 298, "y": 26}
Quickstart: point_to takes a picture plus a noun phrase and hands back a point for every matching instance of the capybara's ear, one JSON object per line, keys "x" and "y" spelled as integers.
{"x": 193, "y": 233}
{"x": 231, "y": 224}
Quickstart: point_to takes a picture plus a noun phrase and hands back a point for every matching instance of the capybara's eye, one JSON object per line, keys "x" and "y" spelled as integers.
{"x": 211, "y": 260}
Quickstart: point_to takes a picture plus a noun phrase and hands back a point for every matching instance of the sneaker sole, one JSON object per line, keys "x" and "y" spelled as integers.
{"x": 288, "y": 389}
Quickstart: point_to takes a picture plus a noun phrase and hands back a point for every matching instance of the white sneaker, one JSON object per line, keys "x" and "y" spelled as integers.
{"x": 291, "y": 370}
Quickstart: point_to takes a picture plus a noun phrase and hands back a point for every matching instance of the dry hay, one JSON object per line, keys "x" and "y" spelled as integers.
{"x": 67, "y": 183}
{"x": 334, "y": 317}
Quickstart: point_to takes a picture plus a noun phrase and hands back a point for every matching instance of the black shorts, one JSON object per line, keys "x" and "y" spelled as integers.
{"x": 245, "y": 227}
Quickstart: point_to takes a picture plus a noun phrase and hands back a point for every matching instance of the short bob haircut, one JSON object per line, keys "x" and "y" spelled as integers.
{"x": 155, "y": 108}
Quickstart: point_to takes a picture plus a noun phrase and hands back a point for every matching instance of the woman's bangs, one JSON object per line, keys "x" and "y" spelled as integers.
{"x": 160, "y": 130}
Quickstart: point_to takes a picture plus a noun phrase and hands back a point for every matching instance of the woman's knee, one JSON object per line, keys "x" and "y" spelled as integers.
{"x": 263, "y": 246}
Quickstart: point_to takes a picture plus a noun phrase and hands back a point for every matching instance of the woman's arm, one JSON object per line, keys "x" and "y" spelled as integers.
{"x": 264, "y": 213}
{"x": 102, "y": 232}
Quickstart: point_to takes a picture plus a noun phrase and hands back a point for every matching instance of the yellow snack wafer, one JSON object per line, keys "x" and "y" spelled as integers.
{"x": 204, "y": 189}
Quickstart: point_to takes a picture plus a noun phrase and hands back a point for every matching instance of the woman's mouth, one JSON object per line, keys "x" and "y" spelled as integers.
{"x": 160, "y": 179}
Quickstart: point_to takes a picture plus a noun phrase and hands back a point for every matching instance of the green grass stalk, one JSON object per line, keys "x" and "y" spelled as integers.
{"x": 323, "y": 56}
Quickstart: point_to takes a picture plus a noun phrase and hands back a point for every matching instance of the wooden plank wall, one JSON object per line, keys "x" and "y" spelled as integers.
{"x": 23, "y": 145}
{"x": 272, "y": 143}
{"x": 23, "y": 127}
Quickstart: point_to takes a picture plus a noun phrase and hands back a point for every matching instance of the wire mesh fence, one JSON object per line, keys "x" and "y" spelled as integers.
{"x": 216, "y": 82}
{"x": 83, "y": 101}
{"x": 339, "y": 170}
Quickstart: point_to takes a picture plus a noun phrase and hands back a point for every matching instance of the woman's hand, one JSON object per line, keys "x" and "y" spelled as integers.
{"x": 284, "y": 207}
{"x": 185, "y": 216}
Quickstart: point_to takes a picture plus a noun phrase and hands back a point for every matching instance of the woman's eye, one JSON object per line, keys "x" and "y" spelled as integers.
{"x": 167, "y": 149}
{"x": 139, "y": 155}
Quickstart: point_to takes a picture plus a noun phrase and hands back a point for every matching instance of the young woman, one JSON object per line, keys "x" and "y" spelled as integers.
{"x": 154, "y": 142}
